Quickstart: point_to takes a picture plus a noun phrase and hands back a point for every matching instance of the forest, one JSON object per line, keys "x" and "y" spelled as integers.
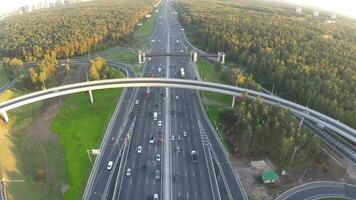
{"x": 255, "y": 129}
{"x": 43, "y": 36}
{"x": 69, "y": 31}
{"x": 309, "y": 60}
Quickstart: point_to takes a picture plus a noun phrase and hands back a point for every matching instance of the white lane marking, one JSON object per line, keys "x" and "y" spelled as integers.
{"x": 146, "y": 180}
{"x": 130, "y": 181}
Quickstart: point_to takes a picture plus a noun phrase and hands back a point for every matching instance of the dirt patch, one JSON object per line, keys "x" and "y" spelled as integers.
{"x": 322, "y": 168}
{"x": 41, "y": 129}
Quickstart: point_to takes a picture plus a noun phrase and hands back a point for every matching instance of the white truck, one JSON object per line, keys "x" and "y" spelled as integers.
{"x": 182, "y": 73}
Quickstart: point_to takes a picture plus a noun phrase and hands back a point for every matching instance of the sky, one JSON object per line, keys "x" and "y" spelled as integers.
{"x": 346, "y": 7}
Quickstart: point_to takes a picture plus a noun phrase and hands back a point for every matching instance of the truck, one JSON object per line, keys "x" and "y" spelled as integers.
{"x": 182, "y": 73}
{"x": 148, "y": 93}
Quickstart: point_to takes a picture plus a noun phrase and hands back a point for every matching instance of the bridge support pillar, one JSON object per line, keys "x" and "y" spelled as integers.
{"x": 233, "y": 102}
{"x": 141, "y": 57}
{"x": 91, "y": 96}
{"x": 4, "y": 115}
{"x": 301, "y": 122}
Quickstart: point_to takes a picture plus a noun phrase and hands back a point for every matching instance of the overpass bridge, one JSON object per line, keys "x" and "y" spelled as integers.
{"x": 315, "y": 116}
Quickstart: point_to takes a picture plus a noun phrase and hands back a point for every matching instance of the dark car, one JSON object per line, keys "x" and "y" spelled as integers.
{"x": 144, "y": 167}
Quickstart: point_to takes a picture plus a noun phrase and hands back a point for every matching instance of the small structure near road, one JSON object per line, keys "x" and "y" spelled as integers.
{"x": 269, "y": 176}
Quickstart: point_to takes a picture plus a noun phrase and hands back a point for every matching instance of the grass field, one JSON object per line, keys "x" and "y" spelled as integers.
{"x": 80, "y": 126}
{"x": 208, "y": 72}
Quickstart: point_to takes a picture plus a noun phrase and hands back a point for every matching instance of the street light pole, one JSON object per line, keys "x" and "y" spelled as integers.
{"x": 309, "y": 100}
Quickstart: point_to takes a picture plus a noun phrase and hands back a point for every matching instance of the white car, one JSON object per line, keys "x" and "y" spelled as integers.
{"x": 152, "y": 140}
{"x": 182, "y": 29}
{"x": 181, "y": 50}
{"x": 137, "y": 102}
{"x": 158, "y": 157}
{"x": 185, "y": 133}
{"x": 128, "y": 171}
{"x": 139, "y": 149}
{"x": 110, "y": 163}
{"x": 155, "y": 197}
{"x": 173, "y": 138}
{"x": 159, "y": 123}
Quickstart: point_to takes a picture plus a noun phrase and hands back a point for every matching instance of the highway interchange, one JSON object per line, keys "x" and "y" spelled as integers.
{"x": 180, "y": 177}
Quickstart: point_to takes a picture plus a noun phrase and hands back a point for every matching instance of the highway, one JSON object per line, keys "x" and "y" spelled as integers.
{"x": 191, "y": 179}
{"x": 320, "y": 189}
{"x": 100, "y": 178}
{"x": 180, "y": 110}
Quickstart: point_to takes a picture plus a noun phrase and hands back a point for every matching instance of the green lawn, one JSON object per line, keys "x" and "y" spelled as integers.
{"x": 81, "y": 126}
{"x": 214, "y": 113}
{"x": 142, "y": 33}
{"x": 208, "y": 72}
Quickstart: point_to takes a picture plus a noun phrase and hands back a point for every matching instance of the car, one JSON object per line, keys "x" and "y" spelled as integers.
{"x": 137, "y": 102}
{"x": 306, "y": 112}
{"x": 110, "y": 164}
{"x": 144, "y": 167}
{"x": 158, "y": 157}
{"x": 179, "y": 138}
{"x": 178, "y": 149}
{"x": 159, "y": 123}
{"x": 128, "y": 171}
{"x": 182, "y": 29}
{"x": 185, "y": 133}
{"x": 155, "y": 196}
{"x": 173, "y": 138}
{"x": 194, "y": 156}
{"x": 321, "y": 126}
{"x": 139, "y": 149}
{"x": 152, "y": 140}
{"x": 157, "y": 174}
{"x": 181, "y": 50}
{"x": 177, "y": 98}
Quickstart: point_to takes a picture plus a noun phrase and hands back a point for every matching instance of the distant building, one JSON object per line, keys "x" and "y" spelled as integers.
{"x": 269, "y": 176}
{"x": 298, "y": 10}
{"x": 316, "y": 13}
{"x": 333, "y": 16}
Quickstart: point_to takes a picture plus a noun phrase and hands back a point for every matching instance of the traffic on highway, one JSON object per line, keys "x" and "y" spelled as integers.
{"x": 160, "y": 143}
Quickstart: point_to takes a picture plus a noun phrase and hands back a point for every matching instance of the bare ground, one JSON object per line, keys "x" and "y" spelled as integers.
{"x": 322, "y": 168}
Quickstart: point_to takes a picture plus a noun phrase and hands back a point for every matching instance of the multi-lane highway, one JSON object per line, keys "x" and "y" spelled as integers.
{"x": 180, "y": 126}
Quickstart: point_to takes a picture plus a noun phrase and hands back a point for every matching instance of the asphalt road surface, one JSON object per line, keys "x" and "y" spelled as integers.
{"x": 180, "y": 111}
{"x": 320, "y": 189}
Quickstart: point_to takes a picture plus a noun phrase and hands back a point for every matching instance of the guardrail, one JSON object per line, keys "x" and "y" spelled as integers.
{"x": 300, "y": 110}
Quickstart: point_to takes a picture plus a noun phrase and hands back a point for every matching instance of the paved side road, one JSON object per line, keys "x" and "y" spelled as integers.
{"x": 2, "y": 192}
{"x": 320, "y": 189}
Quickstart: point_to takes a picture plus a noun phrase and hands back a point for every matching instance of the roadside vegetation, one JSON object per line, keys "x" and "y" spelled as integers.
{"x": 80, "y": 126}
{"x": 302, "y": 56}
{"x": 252, "y": 128}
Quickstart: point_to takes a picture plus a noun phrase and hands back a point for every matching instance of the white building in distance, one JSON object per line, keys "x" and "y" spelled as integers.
{"x": 298, "y": 10}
